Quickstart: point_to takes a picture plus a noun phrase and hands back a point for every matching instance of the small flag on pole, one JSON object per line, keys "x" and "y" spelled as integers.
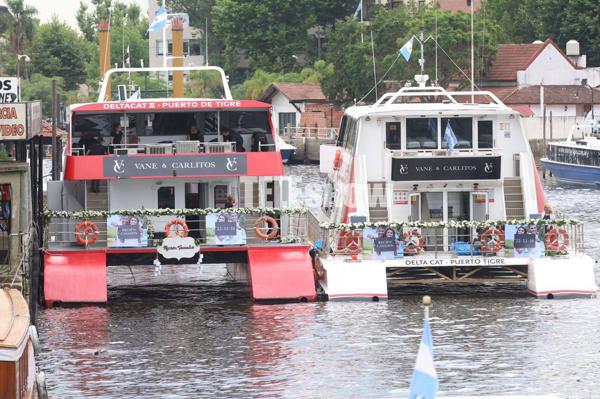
{"x": 406, "y": 50}
{"x": 160, "y": 20}
{"x": 424, "y": 384}
{"x": 358, "y": 12}
{"x": 450, "y": 137}
{"x": 127, "y": 58}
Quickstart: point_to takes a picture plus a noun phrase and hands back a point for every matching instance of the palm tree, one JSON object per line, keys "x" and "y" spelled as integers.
{"x": 19, "y": 25}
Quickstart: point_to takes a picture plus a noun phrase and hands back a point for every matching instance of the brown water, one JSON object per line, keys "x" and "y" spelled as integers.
{"x": 197, "y": 336}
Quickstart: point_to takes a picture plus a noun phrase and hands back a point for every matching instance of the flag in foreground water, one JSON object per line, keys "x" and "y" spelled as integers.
{"x": 424, "y": 384}
{"x": 160, "y": 20}
{"x": 450, "y": 137}
{"x": 406, "y": 50}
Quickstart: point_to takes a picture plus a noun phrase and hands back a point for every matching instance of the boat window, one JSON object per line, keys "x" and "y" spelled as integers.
{"x": 351, "y": 133}
{"x": 392, "y": 136}
{"x": 286, "y": 119}
{"x": 169, "y": 126}
{"x": 463, "y": 130}
{"x": 166, "y": 198}
{"x": 578, "y": 156}
{"x": 342, "y": 133}
{"x": 485, "y": 134}
{"x": 421, "y": 134}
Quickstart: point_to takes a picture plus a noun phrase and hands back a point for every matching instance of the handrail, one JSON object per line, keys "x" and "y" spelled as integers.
{"x": 390, "y": 97}
{"x": 102, "y": 93}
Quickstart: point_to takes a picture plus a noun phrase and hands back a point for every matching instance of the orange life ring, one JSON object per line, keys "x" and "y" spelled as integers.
{"x": 409, "y": 238}
{"x": 86, "y": 232}
{"x": 557, "y": 239}
{"x": 269, "y": 231}
{"x": 492, "y": 240}
{"x": 350, "y": 243}
{"x": 179, "y": 233}
{"x": 337, "y": 162}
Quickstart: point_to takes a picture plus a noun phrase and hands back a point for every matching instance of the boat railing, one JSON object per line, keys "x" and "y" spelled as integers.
{"x": 186, "y": 69}
{"x": 397, "y": 153}
{"x": 323, "y": 133}
{"x": 544, "y": 239}
{"x": 406, "y": 94}
{"x": 177, "y": 147}
{"x": 61, "y": 231}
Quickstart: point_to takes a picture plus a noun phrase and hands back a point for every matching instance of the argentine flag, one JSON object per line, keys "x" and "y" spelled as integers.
{"x": 406, "y": 50}
{"x": 450, "y": 137}
{"x": 160, "y": 20}
{"x": 424, "y": 384}
{"x": 358, "y": 11}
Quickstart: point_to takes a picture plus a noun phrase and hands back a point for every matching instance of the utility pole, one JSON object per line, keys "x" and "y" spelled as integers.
{"x": 54, "y": 146}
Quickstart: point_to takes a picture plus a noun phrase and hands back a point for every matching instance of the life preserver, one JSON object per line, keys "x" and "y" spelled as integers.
{"x": 349, "y": 243}
{"x": 557, "y": 239}
{"x": 492, "y": 240}
{"x": 179, "y": 233}
{"x": 86, "y": 232}
{"x": 269, "y": 231}
{"x": 413, "y": 241}
{"x": 337, "y": 161}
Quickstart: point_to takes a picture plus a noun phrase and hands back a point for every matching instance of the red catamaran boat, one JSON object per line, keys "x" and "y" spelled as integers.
{"x": 206, "y": 173}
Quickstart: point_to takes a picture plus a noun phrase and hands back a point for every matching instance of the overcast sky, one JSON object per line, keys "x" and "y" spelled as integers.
{"x": 66, "y": 9}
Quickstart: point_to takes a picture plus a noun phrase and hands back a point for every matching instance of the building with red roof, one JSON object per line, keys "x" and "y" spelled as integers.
{"x": 540, "y": 75}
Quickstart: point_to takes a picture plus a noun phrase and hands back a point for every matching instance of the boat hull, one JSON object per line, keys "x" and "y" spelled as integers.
{"x": 287, "y": 154}
{"x": 570, "y": 173}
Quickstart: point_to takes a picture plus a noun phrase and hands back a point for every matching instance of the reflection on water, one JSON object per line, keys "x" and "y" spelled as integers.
{"x": 196, "y": 336}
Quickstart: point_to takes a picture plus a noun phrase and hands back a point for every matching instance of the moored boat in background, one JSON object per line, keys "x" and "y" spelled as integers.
{"x": 18, "y": 342}
{"x": 577, "y": 159}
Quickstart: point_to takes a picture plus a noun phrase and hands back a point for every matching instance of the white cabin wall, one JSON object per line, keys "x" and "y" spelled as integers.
{"x": 282, "y": 104}
{"x": 510, "y": 141}
{"x": 370, "y": 142}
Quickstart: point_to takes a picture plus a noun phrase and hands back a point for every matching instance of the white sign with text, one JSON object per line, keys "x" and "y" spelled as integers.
{"x": 13, "y": 122}
{"x": 178, "y": 248}
{"x": 9, "y": 90}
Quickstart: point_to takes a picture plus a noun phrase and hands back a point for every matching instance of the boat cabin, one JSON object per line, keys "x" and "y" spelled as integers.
{"x": 423, "y": 154}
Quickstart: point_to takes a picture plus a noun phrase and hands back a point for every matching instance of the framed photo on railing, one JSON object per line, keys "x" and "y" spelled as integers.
{"x": 225, "y": 228}
{"x": 126, "y": 232}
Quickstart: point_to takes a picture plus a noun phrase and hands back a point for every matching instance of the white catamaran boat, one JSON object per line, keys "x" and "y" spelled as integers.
{"x": 185, "y": 175}
{"x": 427, "y": 187}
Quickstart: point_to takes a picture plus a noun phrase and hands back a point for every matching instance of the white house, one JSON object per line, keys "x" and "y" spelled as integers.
{"x": 537, "y": 76}
{"x": 289, "y": 101}
{"x": 193, "y": 41}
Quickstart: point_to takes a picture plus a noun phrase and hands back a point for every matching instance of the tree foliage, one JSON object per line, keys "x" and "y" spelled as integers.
{"x": 254, "y": 87}
{"x": 523, "y": 21}
{"x": 18, "y": 27}
{"x": 59, "y": 51}
{"x": 351, "y": 53}
{"x": 39, "y": 87}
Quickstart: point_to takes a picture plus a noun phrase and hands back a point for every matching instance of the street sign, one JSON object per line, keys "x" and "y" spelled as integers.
{"x": 13, "y": 122}
{"x": 9, "y": 90}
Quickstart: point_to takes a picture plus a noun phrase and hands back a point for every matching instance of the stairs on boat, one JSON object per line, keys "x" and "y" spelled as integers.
{"x": 513, "y": 198}
{"x": 98, "y": 202}
{"x": 377, "y": 202}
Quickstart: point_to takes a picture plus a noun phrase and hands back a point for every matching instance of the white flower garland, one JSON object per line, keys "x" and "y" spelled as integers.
{"x": 173, "y": 212}
{"x": 450, "y": 224}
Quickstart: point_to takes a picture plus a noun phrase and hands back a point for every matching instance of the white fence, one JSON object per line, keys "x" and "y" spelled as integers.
{"x": 557, "y": 127}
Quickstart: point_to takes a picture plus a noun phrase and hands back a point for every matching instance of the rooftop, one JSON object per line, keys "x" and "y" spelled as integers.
{"x": 295, "y": 92}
